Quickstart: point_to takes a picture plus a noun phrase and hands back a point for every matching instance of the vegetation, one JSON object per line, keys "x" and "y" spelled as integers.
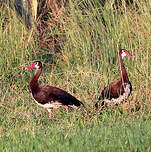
{"x": 85, "y": 61}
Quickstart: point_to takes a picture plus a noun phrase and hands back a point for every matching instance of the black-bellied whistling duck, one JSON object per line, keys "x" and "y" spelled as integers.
{"x": 118, "y": 91}
{"x": 50, "y": 97}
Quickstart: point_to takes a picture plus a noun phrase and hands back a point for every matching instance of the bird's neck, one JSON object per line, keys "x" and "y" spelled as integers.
{"x": 123, "y": 74}
{"x": 34, "y": 81}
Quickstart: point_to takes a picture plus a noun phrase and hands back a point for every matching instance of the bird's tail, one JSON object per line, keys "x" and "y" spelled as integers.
{"x": 78, "y": 103}
{"x": 81, "y": 104}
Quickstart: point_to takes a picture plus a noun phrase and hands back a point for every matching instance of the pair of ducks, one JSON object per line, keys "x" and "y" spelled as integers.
{"x": 50, "y": 97}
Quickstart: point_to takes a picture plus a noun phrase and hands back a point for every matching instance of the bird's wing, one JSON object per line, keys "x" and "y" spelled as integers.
{"x": 50, "y": 94}
{"x": 113, "y": 90}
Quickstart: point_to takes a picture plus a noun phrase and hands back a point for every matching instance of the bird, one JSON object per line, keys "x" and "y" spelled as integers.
{"x": 118, "y": 91}
{"x": 50, "y": 97}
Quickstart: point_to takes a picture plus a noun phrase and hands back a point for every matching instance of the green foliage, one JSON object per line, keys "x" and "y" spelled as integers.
{"x": 86, "y": 62}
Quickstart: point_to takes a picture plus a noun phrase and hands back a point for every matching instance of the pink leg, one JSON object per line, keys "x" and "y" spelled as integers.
{"x": 50, "y": 113}
{"x": 67, "y": 109}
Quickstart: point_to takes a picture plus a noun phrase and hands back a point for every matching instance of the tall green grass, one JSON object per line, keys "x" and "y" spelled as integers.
{"x": 86, "y": 62}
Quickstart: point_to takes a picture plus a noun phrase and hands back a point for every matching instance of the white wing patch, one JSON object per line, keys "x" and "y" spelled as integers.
{"x": 127, "y": 89}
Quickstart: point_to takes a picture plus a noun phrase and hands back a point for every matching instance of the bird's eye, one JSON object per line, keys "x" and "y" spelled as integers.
{"x": 123, "y": 54}
{"x": 37, "y": 65}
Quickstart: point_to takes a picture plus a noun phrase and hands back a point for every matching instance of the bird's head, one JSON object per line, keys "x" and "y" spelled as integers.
{"x": 124, "y": 53}
{"x": 35, "y": 65}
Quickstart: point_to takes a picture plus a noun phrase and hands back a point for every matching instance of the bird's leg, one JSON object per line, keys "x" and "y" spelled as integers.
{"x": 50, "y": 113}
{"x": 67, "y": 109}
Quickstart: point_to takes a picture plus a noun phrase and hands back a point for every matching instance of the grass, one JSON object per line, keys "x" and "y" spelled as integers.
{"x": 86, "y": 62}
{"x": 113, "y": 136}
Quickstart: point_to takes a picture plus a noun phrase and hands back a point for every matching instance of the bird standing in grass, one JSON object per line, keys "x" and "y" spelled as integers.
{"x": 50, "y": 97}
{"x": 117, "y": 92}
